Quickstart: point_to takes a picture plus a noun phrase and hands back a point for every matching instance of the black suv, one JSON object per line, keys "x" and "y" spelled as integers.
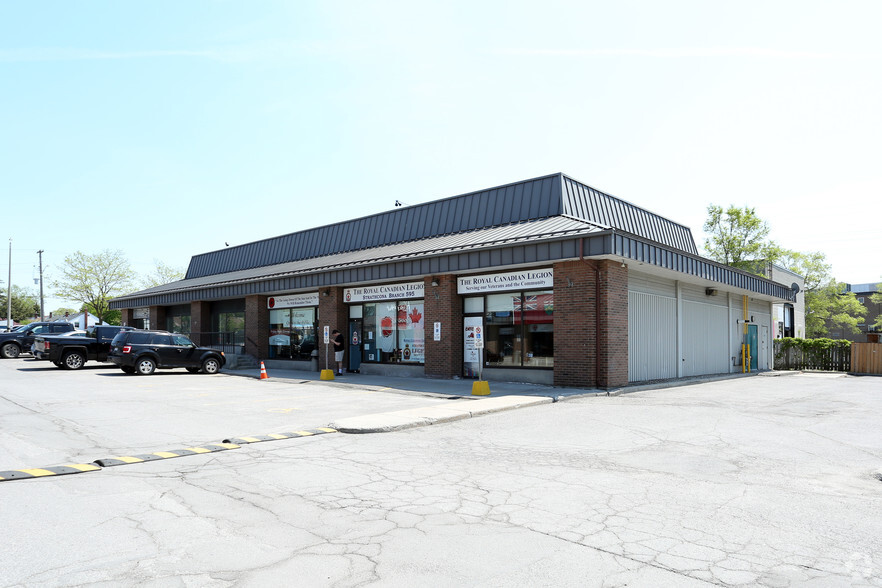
{"x": 15, "y": 342}
{"x": 142, "y": 352}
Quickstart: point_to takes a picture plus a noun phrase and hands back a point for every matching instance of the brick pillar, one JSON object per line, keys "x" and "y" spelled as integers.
{"x": 157, "y": 318}
{"x": 257, "y": 326}
{"x": 200, "y": 322}
{"x": 590, "y": 324}
{"x": 442, "y": 304}
{"x": 335, "y": 314}
{"x": 127, "y": 317}
{"x": 612, "y": 314}
{"x": 575, "y": 327}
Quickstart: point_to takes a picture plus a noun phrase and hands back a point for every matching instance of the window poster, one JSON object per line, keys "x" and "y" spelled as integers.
{"x": 411, "y": 333}
{"x": 387, "y": 315}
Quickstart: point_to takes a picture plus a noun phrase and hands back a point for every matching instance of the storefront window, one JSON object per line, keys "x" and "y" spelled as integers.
{"x": 177, "y": 319}
{"x": 292, "y": 333}
{"x": 519, "y": 329}
{"x": 393, "y": 332}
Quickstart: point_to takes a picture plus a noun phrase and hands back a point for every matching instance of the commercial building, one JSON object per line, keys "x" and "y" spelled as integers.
{"x": 561, "y": 283}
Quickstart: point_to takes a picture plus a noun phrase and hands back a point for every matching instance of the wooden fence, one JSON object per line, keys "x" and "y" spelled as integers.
{"x": 866, "y": 358}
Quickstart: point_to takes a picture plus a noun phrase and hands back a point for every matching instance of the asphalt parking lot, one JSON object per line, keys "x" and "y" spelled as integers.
{"x": 753, "y": 481}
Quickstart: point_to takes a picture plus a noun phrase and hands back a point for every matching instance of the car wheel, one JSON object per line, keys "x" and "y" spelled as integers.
{"x": 10, "y": 351}
{"x": 74, "y": 360}
{"x": 193, "y": 370}
{"x": 128, "y": 370}
{"x": 145, "y": 366}
{"x": 211, "y": 366}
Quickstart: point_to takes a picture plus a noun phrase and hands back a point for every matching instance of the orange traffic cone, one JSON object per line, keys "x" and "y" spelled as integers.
{"x": 263, "y": 375}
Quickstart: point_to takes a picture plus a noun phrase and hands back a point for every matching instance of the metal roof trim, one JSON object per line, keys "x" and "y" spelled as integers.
{"x": 549, "y": 229}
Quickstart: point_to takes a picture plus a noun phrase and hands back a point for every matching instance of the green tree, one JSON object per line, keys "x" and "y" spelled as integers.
{"x": 94, "y": 280}
{"x": 162, "y": 274}
{"x": 826, "y": 302}
{"x": 738, "y": 237}
{"x": 111, "y": 317}
{"x": 25, "y": 305}
{"x": 877, "y": 299}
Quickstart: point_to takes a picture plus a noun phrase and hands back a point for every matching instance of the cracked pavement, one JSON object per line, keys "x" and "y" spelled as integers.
{"x": 755, "y": 481}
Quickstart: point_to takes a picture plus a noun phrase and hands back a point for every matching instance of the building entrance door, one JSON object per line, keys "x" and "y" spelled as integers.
{"x": 752, "y": 340}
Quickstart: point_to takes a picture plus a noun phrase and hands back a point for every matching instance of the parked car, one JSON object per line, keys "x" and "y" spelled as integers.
{"x": 13, "y": 343}
{"x": 143, "y": 352}
{"x": 38, "y": 351}
{"x": 72, "y": 352}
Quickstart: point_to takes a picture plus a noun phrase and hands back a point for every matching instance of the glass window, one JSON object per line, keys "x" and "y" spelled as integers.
{"x": 473, "y": 304}
{"x": 393, "y": 332}
{"x": 160, "y": 340}
{"x": 292, "y": 333}
{"x": 519, "y": 329}
{"x": 181, "y": 340}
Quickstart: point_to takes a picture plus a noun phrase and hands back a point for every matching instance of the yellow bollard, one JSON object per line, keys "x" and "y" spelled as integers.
{"x": 327, "y": 375}
{"x": 481, "y": 388}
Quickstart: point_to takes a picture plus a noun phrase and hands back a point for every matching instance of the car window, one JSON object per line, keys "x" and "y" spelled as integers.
{"x": 40, "y": 329}
{"x": 161, "y": 340}
{"x": 58, "y": 328}
{"x": 181, "y": 340}
{"x": 137, "y": 338}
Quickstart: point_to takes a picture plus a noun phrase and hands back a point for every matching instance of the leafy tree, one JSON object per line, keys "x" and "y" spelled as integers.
{"x": 877, "y": 299}
{"x": 94, "y": 279}
{"x": 25, "y": 305}
{"x": 111, "y": 317}
{"x": 826, "y": 302}
{"x": 738, "y": 237}
{"x": 162, "y": 274}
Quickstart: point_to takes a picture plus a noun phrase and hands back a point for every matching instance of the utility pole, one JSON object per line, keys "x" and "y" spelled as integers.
{"x": 9, "y": 293}
{"x": 40, "y": 253}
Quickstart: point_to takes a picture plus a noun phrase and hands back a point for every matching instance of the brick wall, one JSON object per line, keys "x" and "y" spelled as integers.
{"x": 200, "y": 321}
{"x": 612, "y": 344}
{"x": 257, "y": 326}
{"x": 127, "y": 317}
{"x": 590, "y": 324}
{"x": 157, "y": 318}
{"x": 335, "y": 314}
{"x": 443, "y": 304}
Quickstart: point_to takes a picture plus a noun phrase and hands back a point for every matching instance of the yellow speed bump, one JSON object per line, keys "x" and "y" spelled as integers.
{"x": 62, "y": 470}
{"x": 122, "y": 460}
{"x": 279, "y": 436}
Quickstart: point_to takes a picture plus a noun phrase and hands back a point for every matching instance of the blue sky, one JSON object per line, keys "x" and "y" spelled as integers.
{"x": 166, "y": 129}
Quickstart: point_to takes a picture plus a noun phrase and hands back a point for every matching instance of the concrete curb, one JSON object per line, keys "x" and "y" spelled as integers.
{"x": 431, "y": 415}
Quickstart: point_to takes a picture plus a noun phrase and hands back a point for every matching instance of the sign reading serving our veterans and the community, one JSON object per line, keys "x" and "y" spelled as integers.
{"x": 293, "y": 300}
{"x": 518, "y": 280}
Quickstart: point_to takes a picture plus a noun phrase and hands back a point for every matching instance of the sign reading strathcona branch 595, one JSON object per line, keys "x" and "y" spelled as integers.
{"x": 518, "y": 280}
{"x": 385, "y": 292}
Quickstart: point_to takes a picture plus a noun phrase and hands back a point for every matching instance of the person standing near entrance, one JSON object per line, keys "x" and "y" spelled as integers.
{"x": 337, "y": 338}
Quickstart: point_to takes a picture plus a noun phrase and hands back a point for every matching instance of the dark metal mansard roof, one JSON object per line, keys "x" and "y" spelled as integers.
{"x": 535, "y": 221}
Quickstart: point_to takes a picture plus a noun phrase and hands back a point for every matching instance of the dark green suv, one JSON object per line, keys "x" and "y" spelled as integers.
{"x": 143, "y": 352}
